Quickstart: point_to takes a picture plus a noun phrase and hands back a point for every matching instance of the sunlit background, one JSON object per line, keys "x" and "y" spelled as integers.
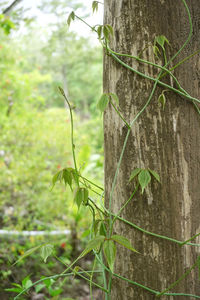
{"x": 36, "y": 57}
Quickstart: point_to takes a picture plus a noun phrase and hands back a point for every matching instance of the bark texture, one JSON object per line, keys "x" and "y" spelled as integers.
{"x": 167, "y": 141}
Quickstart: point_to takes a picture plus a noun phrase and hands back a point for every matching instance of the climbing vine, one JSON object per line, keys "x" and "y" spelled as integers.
{"x": 103, "y": 242}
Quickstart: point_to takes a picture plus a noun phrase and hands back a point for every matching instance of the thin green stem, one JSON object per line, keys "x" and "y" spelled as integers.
{"x": 72, "y": 129}
{"x": 180, "y": 63}
{"x": 98, "y": 208}
{"x": 179, "y": 280}
{"x": 54, "y": 277}
{"x": 149, "y": 63}
{"x": 92, "y": 28}
{"x": 122, "y": 208}
{"x": 109, "y": 285}
{"x": 89, "y": 181}
{"x": 155, "y": 234}
{"x": 94, "y": 264}
{"x": 154, "y": 79}
{"x": 119, "y": 114}
{"x": 190, "y": 239}
{"x": 123, "y": 150}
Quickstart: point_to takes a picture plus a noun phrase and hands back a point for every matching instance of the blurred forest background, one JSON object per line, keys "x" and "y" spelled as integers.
{"x": 37, "y": 56}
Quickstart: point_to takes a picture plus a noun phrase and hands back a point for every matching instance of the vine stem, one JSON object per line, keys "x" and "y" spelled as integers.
{"x": 55, "y": 277}
{"x": 180, "y": 279}
{"x": 122, "y": 208}
{"x": 119, "y": 114}
{"x": 72, "y": 129}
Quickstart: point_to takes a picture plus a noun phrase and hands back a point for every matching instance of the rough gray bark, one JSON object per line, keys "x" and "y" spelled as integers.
{"x": 167, "y": 141}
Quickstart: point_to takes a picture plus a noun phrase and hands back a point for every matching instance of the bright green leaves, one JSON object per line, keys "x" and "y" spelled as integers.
{"x": 155, "y": 175}
{"x": 104, "y": 32}
{"x": 67, "y": 175}
{"x": 28, "y": 253}
{"x": 46, "y": 251}
{"x": 144, "y": 177}
{"x": 109, "y": 249}
{"x": 162, "y": 100}
{"x": 70, "y": 176}
{"x": 6, "y": 24}
{"x": 105, "y": 99}
{"x": 161, "y": 40}
{"x": 71, "y": 18}
{"x": 134, "y": 173}
{"x": 95, "y": 5}
{"x": 26, "y": 284}
{"x": 103, "y": 102}
{"x": 123, "y": 241}
{"x": 81, "y": 196}
{"x": 94, "y": 244}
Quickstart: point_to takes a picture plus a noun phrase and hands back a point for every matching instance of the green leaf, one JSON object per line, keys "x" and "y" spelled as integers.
{"x": 102, "y": 229}
{"x": 103, "y": 102}
{"x": 95, "y": 6}
{"x": 99, "y": 31}
{"x": 39, "y": 287}
{"x": 27, "y": 253}
{"x": 109, "y": 249}
{"x": 70, "y": 18}
{"x": 107, "y": 31}
{"x": 160, "y": 40}
{"x": 94, "y": 244}
{"x": 162, "y": 100}
{"x": 81, "y": 196}
{"x": 56, "y": 177}
{"x": 46, "y": 251}
{"x": 155, "y": 175}
{"x": 134, "y": 173}
{"x": 110, "y": 29}
{"x": 26, "y": 282}
{"x": 144, "y": 178}
{"x": 96, "y": 226}
{"x": 48, "y": 282}
{"x": 67, "y": 176}
{"x": 75, "y": 175}
{"x": 55, "y": 292}
{"x": 156, "y": 50}
{"x": 14, "y": 290}
{"x": 123, "y": 241}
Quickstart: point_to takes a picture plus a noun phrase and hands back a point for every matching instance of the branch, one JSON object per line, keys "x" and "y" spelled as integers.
{"x": 7, "y": 10}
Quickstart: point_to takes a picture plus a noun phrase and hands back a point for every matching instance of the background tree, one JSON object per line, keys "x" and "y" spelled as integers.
{"x": 166, "y": 140}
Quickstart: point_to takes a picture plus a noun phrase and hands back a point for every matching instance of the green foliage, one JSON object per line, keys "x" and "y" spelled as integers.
{"x": 81, "y": 196}
{"x": 46, "y": 251}
{"x": 6, "y": 24}
{"x": 70, "y": 18}
{"x": 105, "y": 99}
{"x": 161, "y": 40}
{"x": 144, "y": 177}
{"x": 95, "y": 5}
{"x": 109, "y": 249}
{"x": 123, "y": 241}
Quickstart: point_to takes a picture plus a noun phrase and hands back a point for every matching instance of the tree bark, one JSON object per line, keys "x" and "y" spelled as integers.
{"x": 165, "y": 140}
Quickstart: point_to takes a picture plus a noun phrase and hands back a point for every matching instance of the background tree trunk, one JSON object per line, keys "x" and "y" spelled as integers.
{"x": 167, "y": 141}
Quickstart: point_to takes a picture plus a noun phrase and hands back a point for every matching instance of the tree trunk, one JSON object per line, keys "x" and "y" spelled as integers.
{"x": 165, "y": 140}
